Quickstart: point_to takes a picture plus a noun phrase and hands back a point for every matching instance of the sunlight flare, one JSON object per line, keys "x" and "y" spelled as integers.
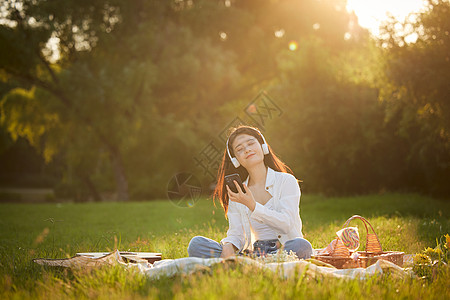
{"x": 293, "y": 45}
{"x": 371, "y": 13}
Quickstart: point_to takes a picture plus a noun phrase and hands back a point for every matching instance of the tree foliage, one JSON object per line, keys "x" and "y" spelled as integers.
{"x": 417, "y": 93}
{"x": 126, "y": 93}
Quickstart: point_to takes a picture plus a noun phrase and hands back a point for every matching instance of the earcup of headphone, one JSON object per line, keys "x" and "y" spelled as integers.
{"x": 235, "y": 162}
{"x": 265, "y": 149}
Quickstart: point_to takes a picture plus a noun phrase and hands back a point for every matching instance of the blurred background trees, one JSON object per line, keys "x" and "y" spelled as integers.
{"x": 116, "y": 97}
{"x": 417, "y": 92}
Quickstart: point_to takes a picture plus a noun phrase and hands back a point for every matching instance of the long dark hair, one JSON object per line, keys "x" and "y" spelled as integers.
{"x": 227, "y": 168}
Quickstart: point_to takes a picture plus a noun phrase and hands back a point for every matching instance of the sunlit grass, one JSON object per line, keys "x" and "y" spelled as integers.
{"x": 407, "y": 223}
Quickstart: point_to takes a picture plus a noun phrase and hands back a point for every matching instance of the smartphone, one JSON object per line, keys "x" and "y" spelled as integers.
{"x": 229, "y": 181}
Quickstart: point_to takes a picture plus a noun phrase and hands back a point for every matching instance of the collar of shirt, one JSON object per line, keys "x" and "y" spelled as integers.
{"x": 270, "y": 180}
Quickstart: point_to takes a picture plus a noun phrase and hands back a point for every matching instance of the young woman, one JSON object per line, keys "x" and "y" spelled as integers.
{"x": 264, "y": 217}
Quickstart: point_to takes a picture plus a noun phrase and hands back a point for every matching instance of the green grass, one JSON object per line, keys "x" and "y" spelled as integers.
{"x": 405, "y": 222}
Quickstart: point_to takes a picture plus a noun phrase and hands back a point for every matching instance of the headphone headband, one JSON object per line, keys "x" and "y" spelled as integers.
{"x": 264, "y": 146}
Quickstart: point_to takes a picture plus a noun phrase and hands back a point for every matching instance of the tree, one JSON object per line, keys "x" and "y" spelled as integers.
{"x": 138, "y": 87}
{"x": 417, "y": 91}
{"x": 89, "y": 100}
{"x": 122, "y": 70}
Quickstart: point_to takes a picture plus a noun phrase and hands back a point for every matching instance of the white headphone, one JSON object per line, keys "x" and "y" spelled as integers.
{"x": 264, "y": 146}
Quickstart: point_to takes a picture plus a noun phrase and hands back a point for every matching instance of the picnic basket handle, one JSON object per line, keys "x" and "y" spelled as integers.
{"x": 372, "y": 242}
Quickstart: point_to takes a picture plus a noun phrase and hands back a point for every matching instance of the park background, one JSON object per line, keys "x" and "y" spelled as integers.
{"x": 108, "y": 100}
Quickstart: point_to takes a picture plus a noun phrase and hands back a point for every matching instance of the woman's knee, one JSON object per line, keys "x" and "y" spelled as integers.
{"x": 195, "y": 244}
{"x": 301, "y": 247}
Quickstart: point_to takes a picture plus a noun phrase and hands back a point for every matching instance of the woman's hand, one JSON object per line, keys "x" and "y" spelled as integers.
{"x": 247, "y": 199}
{"x": 228, "y": 250}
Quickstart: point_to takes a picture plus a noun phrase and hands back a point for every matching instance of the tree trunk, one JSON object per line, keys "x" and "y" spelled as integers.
{"x": 119, "y": 170}
{"x": 92, "y": 189}
{"x": 121, "y": 179}
{"x": 89, "y": 184}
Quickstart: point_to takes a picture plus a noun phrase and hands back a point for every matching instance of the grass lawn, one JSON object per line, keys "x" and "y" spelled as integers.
{"x": 405, "y": 222}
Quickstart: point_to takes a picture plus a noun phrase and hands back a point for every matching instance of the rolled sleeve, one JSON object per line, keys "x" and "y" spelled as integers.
{"x": 284, "y": 218}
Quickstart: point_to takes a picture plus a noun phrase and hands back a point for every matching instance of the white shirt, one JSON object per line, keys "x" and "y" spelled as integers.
{"x": 283, "y": 217}
{"x": 262, "y": 231}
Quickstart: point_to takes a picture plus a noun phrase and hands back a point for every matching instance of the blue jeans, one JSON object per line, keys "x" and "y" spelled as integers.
{"x": 201, "y": 246}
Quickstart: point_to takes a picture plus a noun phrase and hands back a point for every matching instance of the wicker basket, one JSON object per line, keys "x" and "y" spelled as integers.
{"x": 340, "y": 255}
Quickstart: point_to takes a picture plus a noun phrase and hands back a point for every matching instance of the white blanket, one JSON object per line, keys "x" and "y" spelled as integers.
{"x": 188, "y": 265}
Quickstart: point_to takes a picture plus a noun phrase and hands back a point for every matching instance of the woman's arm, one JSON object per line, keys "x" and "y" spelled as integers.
{"x": 235, "y": 234}
{"x": 228, "y": 250}
{"x": 289, "y": 202}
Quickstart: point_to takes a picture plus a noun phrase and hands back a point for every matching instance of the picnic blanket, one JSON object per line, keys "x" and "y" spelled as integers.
{"x": 189, "y": 265}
